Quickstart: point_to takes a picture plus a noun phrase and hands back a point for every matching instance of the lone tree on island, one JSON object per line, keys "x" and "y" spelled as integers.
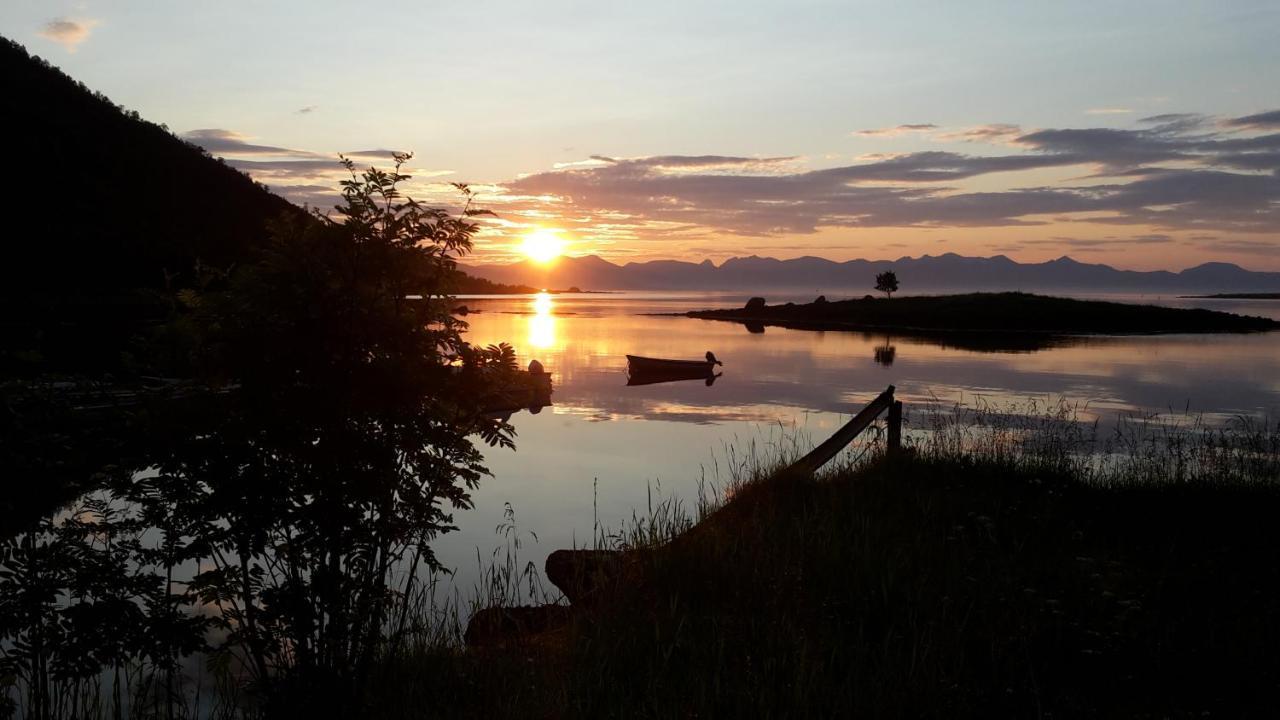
{"x": 887, "y": 283}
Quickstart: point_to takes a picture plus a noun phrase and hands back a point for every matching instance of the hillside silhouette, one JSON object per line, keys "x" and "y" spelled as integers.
{"x": 123, "y": 199}
{"x": 106, "y": 208}
{"x": 111, "y": 214}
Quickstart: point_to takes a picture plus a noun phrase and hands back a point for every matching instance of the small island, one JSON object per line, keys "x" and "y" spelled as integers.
{"x": 987, "y": 313}
{"x": 1235, "y": 296}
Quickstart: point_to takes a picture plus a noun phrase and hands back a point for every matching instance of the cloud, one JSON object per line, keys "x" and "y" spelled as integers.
{"x": 1260, "y": 121}
{"x": 376, "y": 153}
{"x": 1173, "y": 172}
{"x": 218, "y": 141}
{"x": 1107, "y": 242}
{"x": 990, "y": 133}
{"x": 68, "y": 32}
{"x": 306, "y": 110}
{"x": 1175, "y": 123}
{"x": 307, "y": 177}
{"x": 1174, "y": 178}
{"x": 1252, "y": 247}
{"x": 1105, "y": 146}
{"x": 897, "y": 130}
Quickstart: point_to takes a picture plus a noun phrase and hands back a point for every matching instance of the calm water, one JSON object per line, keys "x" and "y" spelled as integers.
{"x": 601, "y": 436}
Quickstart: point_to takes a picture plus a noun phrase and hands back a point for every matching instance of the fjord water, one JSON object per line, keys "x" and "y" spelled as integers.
{"x": 603, "y": 449}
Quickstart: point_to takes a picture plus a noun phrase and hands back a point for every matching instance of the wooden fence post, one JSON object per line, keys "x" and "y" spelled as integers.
{"x": 832, "y": 446}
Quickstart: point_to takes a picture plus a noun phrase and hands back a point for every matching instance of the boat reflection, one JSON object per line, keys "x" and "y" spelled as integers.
{"x": 653, "y": 377}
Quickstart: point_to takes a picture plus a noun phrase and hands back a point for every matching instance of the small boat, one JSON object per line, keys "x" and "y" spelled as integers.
{"x": 638, "y": 364}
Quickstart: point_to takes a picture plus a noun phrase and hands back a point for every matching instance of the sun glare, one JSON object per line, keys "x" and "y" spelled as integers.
{"x": 542, "y": 246}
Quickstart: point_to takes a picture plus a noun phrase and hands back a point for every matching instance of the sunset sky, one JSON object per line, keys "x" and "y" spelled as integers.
{"x": 1140, "y": 134}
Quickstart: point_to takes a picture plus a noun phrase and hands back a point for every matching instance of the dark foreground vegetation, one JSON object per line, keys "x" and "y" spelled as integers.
{"x": 1009, "y": 312}
{"x": 233, "y": 521}
{"x": 990, "y": 573}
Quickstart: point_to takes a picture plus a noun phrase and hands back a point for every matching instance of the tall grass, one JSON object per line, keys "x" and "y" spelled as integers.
{"x": 1060, "y": 436}
{"x": 1014, "y": 562}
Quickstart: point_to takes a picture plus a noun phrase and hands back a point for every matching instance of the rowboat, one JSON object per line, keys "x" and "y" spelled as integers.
{"x": 637, "y": 364}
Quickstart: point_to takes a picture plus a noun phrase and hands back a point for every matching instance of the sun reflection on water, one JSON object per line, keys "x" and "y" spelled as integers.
{"x": 542, "y": 324}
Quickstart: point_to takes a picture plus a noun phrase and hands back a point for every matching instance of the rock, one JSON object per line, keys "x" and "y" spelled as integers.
{"x": 580, "y": 573}
{"x": 495, "y": 627}
{"x": 755, "y": 304}
{"x": 822, "y": 300}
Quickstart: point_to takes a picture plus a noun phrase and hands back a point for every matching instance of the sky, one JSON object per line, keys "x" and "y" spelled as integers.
{"x": 1143, "y": 135}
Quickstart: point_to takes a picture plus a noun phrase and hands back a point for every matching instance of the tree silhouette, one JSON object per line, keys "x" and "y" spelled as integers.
{"x": 887, "y": 283}
{"x": 344, "y": 442}
{"x": 324, "y": 443}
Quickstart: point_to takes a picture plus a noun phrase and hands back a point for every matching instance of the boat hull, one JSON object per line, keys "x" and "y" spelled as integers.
{"x": 638, "y": 364}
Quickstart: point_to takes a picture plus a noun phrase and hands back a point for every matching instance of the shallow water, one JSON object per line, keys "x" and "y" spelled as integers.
{"x": 600, "y": 451}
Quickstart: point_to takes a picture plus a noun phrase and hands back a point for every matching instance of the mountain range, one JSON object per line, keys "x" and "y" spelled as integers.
{"x": 929, "y": 273}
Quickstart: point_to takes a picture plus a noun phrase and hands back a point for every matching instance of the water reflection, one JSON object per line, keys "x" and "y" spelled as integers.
{"x": 542, "y": 323}
{"x": 887, "y": 352}
{"x": 787, "y": 373}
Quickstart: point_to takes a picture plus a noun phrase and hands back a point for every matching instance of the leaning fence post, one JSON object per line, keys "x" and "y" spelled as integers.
{"x": 895, "y": 428}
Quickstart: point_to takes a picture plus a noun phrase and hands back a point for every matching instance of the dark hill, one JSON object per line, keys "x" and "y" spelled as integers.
{"x": 107, "y": 200}
{"x": 102, "y": 206}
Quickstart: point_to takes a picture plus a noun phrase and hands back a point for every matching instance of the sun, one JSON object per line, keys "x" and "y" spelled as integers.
{"x": 542, "y": 246}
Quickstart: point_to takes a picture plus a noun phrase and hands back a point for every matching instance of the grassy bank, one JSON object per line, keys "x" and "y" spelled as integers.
{"x": 1010, "y": 312}
{"x": 995, "y": 571}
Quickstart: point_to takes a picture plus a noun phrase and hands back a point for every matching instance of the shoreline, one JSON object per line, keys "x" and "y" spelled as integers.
{"x": 1233, "y": 296}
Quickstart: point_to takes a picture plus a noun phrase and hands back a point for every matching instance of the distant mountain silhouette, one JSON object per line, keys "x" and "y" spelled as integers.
{"x": 857, "y": 277}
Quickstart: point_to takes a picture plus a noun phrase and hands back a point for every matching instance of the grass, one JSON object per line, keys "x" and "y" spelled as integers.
{"x": 1005, "y": 567}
